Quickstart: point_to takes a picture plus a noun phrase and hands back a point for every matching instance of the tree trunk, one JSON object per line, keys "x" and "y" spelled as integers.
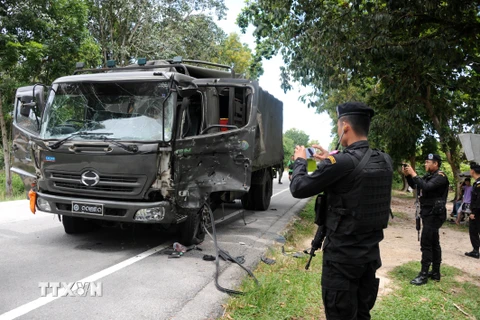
{"x": 6, "y": 152}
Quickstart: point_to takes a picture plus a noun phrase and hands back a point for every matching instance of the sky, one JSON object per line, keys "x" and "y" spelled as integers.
{"x": 295, "y": 113}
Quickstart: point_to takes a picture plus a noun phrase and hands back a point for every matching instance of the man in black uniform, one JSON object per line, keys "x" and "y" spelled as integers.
{"x": 433, "y": 191}
{"x": 358, "y": 183}
{"x": 474, "y": 225}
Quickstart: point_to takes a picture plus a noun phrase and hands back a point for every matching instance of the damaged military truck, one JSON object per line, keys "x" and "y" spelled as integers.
{"x": 147, "y": 143}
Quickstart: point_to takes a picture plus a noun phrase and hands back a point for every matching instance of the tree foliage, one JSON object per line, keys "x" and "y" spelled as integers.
{"x": 128, "y": 29}
{"x": 288, "y": 149}
{"x": 415, "y": 62}
{"x": 163, "y": 29}
{"x": 298, "y": 137}
{"x": 41, "y": 40}
{"x": 232, "y": 52}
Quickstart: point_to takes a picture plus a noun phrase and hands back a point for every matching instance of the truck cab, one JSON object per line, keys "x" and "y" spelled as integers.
{"x": 152, "y": 143}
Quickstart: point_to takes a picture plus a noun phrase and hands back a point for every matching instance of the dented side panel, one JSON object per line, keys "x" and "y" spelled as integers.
{"x": 224, "y": 161}
{"x": 212, "y": 163}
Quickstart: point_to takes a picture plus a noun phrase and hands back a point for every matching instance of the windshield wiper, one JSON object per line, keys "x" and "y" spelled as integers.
{"x": 131, "y": 148}
{"x": 57, "y": 144}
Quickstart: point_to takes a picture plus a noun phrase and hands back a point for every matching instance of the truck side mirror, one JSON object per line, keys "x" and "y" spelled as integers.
{"x": 39, "y": 90}
{"x": 26, "y": 105}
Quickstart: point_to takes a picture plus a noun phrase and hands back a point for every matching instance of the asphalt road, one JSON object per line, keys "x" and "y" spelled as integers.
{"x": 138, "y": 280}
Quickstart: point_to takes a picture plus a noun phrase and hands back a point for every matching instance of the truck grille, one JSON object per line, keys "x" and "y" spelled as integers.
{"x": 97, "y": 188}
{"x": 72, "y": 176}
{"x": 108, "y": 185}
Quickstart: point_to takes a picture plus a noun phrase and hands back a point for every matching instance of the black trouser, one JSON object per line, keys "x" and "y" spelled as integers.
{"x": 474, "y": 230}
{"x": 430, "y": 240}
{"x": 349, "y": 291}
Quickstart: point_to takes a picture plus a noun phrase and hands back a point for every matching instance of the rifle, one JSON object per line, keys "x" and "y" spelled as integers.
{"x": 320, "y": 214}
{"x": 316, "y": 244}
{"x": 417, "y": 215}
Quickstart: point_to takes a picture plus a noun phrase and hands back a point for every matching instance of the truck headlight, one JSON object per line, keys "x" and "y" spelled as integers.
{"x": 150, "y": 214}
{"x": 43, "y": 205}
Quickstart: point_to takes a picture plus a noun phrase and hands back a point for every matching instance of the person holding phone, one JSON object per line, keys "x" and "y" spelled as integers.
{"x": 358, "y": 184}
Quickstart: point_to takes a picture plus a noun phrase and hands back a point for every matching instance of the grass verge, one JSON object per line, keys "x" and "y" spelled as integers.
{"x": 454, "y": 297}
{"x": 288, "y": 291}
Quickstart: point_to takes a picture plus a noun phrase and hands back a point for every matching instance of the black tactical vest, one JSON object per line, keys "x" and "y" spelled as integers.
{"x": 475, "y": 203}
{"x": 366, "y": 206}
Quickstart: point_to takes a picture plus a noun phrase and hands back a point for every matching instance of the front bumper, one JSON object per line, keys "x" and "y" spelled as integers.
{"x": 120, "y": 211}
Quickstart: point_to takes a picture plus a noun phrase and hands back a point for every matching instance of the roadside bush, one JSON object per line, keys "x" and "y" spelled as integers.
{"x": 17, "y": 185}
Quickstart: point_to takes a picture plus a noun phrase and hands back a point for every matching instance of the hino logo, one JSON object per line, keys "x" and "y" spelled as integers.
{"x": 90, "y": 178}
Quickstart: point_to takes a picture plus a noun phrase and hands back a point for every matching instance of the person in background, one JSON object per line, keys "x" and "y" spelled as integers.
{"x": 433, "y": 188}
{"x": 474, "y": 225}
{"x": 457, "y": 203}
{"x": 467, "y": 197}
{"x": 281, "y": 169}
{"x": 290, "y": 167}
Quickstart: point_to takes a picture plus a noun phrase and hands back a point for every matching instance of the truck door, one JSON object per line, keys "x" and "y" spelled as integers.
{"x": 26, "y": 124}
{"x": 215, "y": 143}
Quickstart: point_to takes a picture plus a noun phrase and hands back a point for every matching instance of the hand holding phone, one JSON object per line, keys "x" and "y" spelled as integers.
{"x": 310, "y": 152}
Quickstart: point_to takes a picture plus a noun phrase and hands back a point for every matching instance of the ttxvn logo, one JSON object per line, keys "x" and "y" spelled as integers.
{"x": 71, "y": 289}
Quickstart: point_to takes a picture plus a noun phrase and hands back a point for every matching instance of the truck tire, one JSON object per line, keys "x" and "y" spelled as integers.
{"x": 263, "y": 192}
{"x": 259, "y": 195}
{"x": 192, "y": 230}
{"x": 74, "y": 225}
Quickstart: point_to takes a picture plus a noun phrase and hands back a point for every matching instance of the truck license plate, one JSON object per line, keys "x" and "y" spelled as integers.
{"x": 81, "y": 207}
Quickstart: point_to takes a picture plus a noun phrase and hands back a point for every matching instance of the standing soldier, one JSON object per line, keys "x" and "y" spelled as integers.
{"x": 433, "y": 188}
{"x": 358, "y": 184}
{"x": 474, "y": 225}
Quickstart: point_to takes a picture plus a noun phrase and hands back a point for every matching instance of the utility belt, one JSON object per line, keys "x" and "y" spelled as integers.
{"x": 430, "y": 202}
{"x": 437, "y": 208}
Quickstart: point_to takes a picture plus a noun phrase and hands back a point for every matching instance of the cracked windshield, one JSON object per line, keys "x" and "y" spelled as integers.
{"x": 123, "y": 110}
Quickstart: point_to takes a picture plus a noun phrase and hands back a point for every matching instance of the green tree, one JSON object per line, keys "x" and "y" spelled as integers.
{"x": 297, "y": 136}
{"x": 39, "y": 41}
{"x": 232, "y": 52}
{"x": 422, "y": 58}
{"x": 156, "y": 29}
{"x": 288, "y": 149}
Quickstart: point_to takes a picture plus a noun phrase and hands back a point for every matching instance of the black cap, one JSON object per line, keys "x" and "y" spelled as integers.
{"x": 354, "y": 108}
{"x": 474, "y": 166}
{"x": 433, "y": 157}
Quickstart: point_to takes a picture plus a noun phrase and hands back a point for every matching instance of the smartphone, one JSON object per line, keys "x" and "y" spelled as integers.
{"x": 310, "y": 152}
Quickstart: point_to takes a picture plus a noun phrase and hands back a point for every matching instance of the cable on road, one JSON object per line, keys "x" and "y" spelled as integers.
{"x": 219, "y": 252}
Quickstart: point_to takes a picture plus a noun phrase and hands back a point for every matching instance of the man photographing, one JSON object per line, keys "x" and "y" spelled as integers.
{"x": 358, "y": 184}
{"x": 433, "y": 188}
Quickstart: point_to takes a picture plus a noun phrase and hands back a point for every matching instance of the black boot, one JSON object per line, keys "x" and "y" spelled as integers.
{"x": 473, "y": 254}
{"x": 435, "y": 273}
{"x": 422, "y": 277}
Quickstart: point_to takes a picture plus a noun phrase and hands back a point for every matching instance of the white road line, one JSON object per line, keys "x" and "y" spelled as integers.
{"x": 35, "y": 304}
{"x": 32, "y": 305}
{"x": 276, "y": 194}
{"x": 238, "y": 212}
